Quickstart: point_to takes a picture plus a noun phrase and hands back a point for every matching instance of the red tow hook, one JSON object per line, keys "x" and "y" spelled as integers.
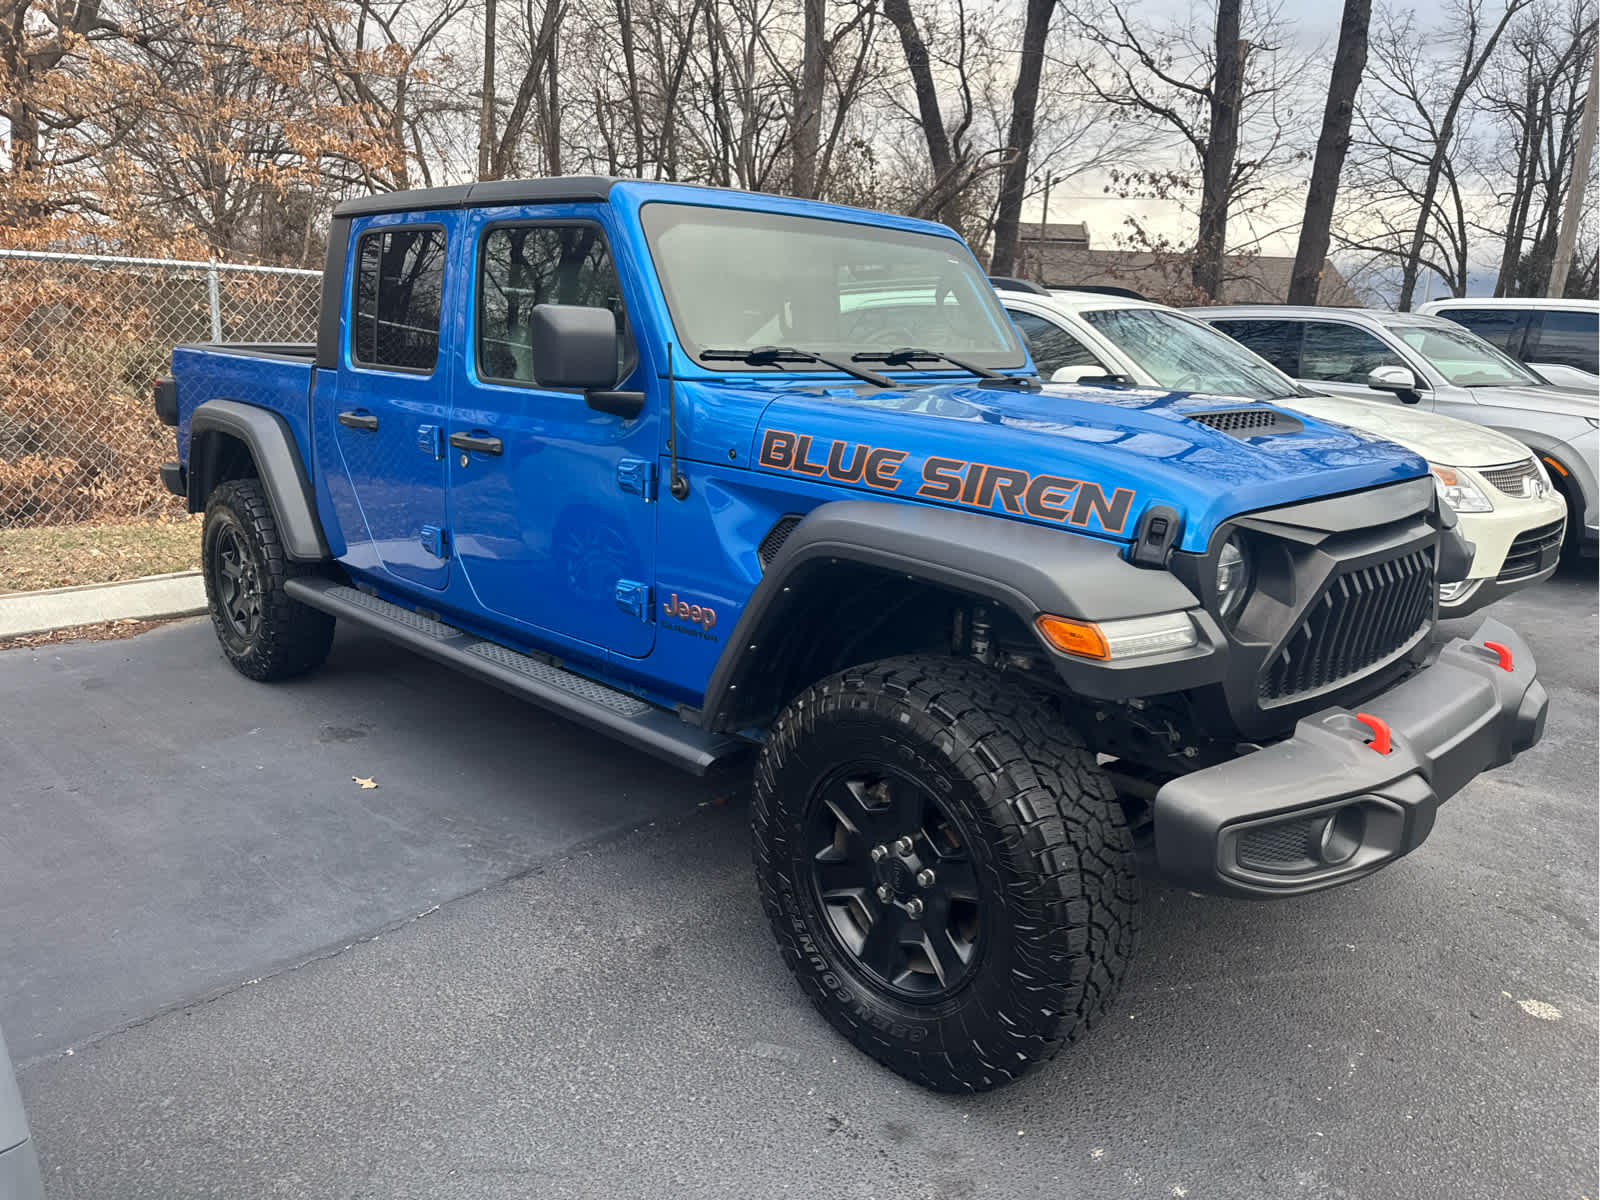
{"x": 1503, "y": 651}
{"x": 1380, "y": 732}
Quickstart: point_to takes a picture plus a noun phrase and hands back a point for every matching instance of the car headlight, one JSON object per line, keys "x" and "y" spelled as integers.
{"x": 1459, "y": 492}
{"x": 1233, "y": 578}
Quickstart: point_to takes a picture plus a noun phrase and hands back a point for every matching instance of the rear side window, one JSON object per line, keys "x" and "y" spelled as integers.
{"x": 1052, "y": 346}
{"x": 1569, "y": 338}
{"x": 399, "y": 294}
{"x": 1342, "y": 353}
{"x": 1276, "y": 341}
{"x": 521, "y": 266}
{"x": 1502, "y": 328}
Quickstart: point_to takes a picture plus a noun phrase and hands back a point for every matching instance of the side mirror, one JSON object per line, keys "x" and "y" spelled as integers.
{"x": 575, "y": 346}
{"x": 1398, "y": 380}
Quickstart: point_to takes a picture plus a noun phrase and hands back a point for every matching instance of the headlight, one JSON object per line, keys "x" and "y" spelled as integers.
{"x": 1459, "y": 492}
{"x": 1233, "y": 578}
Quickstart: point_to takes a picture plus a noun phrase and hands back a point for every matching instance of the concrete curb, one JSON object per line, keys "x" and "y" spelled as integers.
{"x": 181, "y": 594}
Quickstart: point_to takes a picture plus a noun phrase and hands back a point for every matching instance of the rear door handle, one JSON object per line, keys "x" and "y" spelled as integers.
{"x": 481, "y": 443}
{"x": 356, "y": 419}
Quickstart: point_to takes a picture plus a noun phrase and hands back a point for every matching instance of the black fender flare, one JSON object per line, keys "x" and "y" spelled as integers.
{"x": 278, "y": 463}
{"x": 1029, "y": 569}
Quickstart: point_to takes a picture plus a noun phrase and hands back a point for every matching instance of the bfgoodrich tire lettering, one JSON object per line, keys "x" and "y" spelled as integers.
{"x": 1043, "y": 950}
{"x": 264, "y": 634}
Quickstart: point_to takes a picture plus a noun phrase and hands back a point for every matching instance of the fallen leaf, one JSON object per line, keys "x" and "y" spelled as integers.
{"x": 366, "y": 785}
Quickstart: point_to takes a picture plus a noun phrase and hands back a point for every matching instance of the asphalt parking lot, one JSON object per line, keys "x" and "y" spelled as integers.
{"x": 531, "y": 963}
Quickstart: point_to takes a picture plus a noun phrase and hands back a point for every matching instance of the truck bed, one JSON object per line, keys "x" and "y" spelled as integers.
{"x": 275, "y": 375}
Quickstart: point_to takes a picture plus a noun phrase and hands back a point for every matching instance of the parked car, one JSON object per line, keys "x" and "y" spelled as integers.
{"x": 19, "y": 1165}
{"x": 1507, "y": 507}
{"x": 720, "y": 473}
{"x": 1560, "y": 339}
{"x": 1409, "y": 358}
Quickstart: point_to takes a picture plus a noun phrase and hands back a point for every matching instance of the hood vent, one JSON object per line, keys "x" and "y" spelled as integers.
{"x": 1248, "y": 422}
{"x": 776, "y": 537}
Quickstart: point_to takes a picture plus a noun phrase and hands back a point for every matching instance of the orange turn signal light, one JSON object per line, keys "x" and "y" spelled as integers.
{"x": 1082, "y": 638}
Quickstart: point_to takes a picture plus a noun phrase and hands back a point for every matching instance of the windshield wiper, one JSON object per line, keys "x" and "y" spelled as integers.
{"x": 911, "y": 354}
{"x": 776, "y": 356}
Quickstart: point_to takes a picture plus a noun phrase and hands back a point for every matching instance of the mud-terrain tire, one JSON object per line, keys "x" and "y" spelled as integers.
{"x": 264, "y": 634}
{"x": 1033, "y": 888}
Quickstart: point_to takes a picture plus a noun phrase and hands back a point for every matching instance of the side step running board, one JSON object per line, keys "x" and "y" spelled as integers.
{"x": 623, "y": 716}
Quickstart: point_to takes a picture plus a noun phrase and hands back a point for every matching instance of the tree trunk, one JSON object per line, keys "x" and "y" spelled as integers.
{"x": 1522, "y": 189}
{"x": 1349, "y": 61}
{"x": 1575, "y": 190}
{"x": 917, "y": 61}
{"x": 1222, "y": 147}
{"x": 1024, "y": 103}
{"x": 808, "y": 101}
{"x": 486, "y": 110}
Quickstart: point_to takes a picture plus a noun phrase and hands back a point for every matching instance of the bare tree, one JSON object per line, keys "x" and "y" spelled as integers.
{"x": 1213, "y": 95}
{"x": 1349, "y": 60}
{"x": 1019, "y": 139}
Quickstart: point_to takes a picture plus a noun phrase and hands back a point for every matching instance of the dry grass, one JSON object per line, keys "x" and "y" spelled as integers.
{"x": 68, "y": 555}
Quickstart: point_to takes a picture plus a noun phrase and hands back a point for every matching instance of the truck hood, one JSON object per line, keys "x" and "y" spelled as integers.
{"x": 1439, "y": 439}
{"x": 1093, "y": 459}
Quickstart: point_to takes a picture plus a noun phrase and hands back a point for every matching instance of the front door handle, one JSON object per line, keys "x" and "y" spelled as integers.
{"x": 356, "y": 419}
{"x": 481, "y": 443}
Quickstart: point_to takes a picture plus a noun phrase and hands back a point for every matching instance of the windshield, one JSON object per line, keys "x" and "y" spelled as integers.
{"x": 1188, "y": 356}
{"x": 1463, "y": 358}
{"x": 736, "y": 280}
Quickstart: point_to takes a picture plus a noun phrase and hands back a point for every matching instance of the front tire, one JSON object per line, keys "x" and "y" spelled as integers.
{"x": 264, "y": 633}
{"x": 947, "y": 872}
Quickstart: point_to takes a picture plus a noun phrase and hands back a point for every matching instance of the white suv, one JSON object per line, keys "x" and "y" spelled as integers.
{"x": 1495, "y": 484}
{"x": 1560, "y": 339}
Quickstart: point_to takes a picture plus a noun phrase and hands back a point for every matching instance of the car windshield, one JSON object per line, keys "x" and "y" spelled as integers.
{"x": 1463, "y": 358}
{"x": 737, "y": 280}
{"x": 1188, "y": 356}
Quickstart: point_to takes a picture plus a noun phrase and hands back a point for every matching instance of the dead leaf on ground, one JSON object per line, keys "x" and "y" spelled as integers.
{"x": 366, "y": 785}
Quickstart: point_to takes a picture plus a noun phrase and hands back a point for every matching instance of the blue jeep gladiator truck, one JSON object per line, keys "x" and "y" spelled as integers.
{"x": 726, "y": 475}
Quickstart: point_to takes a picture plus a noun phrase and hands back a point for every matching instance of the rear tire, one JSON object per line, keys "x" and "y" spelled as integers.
{"x": 915, "y": 769}
{"x": 264, "y": 633}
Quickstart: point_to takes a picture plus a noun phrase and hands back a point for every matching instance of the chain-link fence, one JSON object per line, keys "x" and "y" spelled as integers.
{"x": 81, "y": 340}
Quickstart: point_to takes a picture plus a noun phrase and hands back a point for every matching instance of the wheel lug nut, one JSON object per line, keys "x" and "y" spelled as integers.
{"x": 914, "y": 907}
{"x": 879, "y": 853}
{"x": 925, "y": 878}
{"x": 903, "y": 846}
{"x": 885, "y": 892}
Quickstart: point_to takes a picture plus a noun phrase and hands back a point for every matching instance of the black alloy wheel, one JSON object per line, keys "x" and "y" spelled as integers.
{"x": 891, "y": 873}
{"x": 238, "y": 583}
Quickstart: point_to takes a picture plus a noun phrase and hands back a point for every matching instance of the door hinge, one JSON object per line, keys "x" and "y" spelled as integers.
{"x": 635, "y": 598}
{"x": 435, "y": 541}
{"x": 637, "y": 477}
{"x": 430, "y": 440}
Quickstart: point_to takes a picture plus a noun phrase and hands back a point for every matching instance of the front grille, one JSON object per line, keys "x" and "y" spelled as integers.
{"x": 775, "y": 538}
{"x": 1530, "y": 551}
{"x": 1248, "y": 422}
{"x": 1516, "y": 479}
{"x": 1362, "y": 619}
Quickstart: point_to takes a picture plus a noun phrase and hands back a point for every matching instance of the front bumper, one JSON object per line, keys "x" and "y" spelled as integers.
{"x": 1324, "y": 807}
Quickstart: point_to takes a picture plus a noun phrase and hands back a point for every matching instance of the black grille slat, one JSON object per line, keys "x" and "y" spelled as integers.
{"x": 1363, "y": 616}
{"x": 1528, "y": 549}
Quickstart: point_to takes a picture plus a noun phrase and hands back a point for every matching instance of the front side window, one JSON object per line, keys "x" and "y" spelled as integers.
{"x": 521, "y": 266}
{"x": 1276, "y": 341}
{"x": 1463, "y": 358}
{"x": 1186, "y": 355}
{"x": 1569, "y": 338}
{"x": 399, "y": 294}
{"x": 1343, "y": 353}
{"x": 1052, "y": 346}
{"x": 1502, "y": 328}
{"x": 737, "y": 280}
